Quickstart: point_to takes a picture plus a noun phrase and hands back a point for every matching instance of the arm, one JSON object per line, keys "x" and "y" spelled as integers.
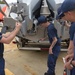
{"x": 6, "y": 35}
{"x": 54, "y": 42}
{"x": 71, "y": 47}
{"x": 9, "y": 38}
{"x": 71, "y": 33}
{"x": 52, "y": 45}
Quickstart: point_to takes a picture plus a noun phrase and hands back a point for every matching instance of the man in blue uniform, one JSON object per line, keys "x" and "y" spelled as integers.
{"x": 71, "y": 33}
{"x": 67, "y": 12}
{"x": 54, "y": 48}
{"x": 6, "y": 39}
{"x": 70, "y": 58}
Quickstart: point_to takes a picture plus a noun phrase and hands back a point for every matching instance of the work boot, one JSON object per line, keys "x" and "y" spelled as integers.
{"x": 48, "y": 73}
{"x": 53, "y": 73}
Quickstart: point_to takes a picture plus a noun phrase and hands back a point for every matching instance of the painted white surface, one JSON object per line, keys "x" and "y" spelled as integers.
{"x": 28, "y": 1}
{"x": 59, "y": 1}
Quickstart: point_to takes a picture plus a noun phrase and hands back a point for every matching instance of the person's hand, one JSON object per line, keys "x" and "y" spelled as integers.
{"x": 50, "y": 50}
{"x": 68, "y": 65}
{"x": 42, "y": 39}
{"x": 18, "y": 25}
{"x": 67, "y": 58}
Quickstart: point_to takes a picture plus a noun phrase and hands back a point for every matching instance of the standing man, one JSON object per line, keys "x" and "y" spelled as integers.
{"x": 54, "y": 48}
{"x": 67, "y": 12}
{"x": 71, "y": 34}
{"x": 6, "y": 39}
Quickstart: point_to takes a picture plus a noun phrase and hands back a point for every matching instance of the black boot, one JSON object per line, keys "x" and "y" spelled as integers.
{"x": 48, "y": 73}
{"x": 53, "y": 73}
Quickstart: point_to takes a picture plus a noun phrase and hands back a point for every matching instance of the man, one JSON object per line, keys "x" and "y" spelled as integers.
{"x": 6, "y": 39}
{"x": 54, "y": 48}
{"x": 67, "y": 12}
{"x": 71, "y": 34}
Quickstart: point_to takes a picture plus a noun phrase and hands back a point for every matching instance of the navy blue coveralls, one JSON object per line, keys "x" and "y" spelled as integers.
{"x": 52, "y": 32}
{"x": 72, "y": 37}
{"x": 2, "y": 61}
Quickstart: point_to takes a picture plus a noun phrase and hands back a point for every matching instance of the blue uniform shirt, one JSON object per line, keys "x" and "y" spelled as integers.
{"x": 72, "y": 37}
{"x": 1, "y": 45}
{"x": 72, "y": 31}
{"x": 73, "y": 70}
{"x": 52, "y": 32}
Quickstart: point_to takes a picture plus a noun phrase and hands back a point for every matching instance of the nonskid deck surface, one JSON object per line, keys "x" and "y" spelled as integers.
{"x": 8, "y": 72}
{"x": 23, "y": 62}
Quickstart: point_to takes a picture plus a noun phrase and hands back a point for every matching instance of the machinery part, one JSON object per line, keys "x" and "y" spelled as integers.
{"x": 4, "y": 29}
{"x": 13, "y": 15}
{"x": 29, "y": 48}
{"x": 35, "y": 48}
{"x": 18, "y": 46}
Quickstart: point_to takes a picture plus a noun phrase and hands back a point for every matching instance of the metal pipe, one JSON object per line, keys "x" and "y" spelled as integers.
{"x": 39, "y": 49}
{"x": 29, "y": 48}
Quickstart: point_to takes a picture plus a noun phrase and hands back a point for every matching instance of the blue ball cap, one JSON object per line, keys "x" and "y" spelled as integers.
{"x": 42, "y": 19}
{"x": 58, "y": 12}
{"x": 67, "y": 5}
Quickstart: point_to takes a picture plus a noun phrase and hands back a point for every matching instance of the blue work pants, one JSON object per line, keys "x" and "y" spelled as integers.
{"x": 52, "y": 58}
{"x": 2, "y": 66}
